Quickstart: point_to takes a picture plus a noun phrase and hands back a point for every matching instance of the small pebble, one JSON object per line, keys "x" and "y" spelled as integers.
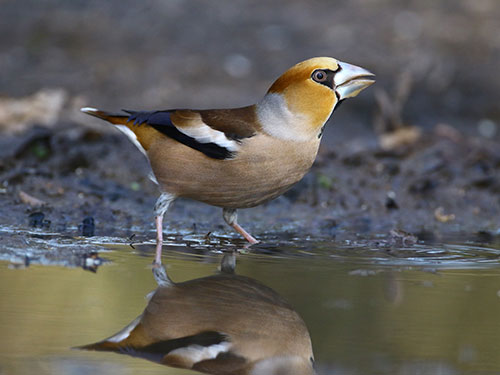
{"x": 37, "y": 220}
{"x": 88, "y": 227}
{"x": 390, "y": 202}
{"x": 91, "y": 262}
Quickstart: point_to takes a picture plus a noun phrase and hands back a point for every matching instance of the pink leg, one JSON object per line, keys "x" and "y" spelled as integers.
{"x": 244, "y": 233}
{"x": 230, "y": 216}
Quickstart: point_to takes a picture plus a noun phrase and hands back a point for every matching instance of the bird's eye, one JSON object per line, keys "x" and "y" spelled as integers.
{"x": 319, "y": 76}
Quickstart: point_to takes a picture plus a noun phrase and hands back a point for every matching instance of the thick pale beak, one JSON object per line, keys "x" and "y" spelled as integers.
{"x": 350, "y": 80}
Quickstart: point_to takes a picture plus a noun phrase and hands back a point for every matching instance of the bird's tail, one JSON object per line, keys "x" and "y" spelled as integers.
{"x": 102, "y": 346}
{"x": 114, "y": 118}
{"x": 118, "y": 341}
{"x": 137, "y": 135}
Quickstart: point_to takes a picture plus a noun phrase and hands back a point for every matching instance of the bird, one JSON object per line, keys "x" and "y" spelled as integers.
{"x": 240, "y": 157}
{"x": 220, "y": 324}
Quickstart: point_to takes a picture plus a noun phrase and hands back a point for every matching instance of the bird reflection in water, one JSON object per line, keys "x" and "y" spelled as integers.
{"x": 221, "y": 324}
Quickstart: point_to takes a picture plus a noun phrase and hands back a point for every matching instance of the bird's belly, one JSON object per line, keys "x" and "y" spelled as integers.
{"x": 254, "y": 176}
{"x": 244, "y": 192}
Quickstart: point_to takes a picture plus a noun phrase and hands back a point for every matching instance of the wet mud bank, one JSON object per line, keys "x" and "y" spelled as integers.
{"x": 70, "y": 185}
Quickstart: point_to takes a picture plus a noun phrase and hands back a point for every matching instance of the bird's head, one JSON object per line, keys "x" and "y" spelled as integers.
{"x": 300, "y": 102}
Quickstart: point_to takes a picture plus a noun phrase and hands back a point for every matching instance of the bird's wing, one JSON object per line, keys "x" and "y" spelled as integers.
{"x": 205, "y": 349}
{"x": 216, "y": 133}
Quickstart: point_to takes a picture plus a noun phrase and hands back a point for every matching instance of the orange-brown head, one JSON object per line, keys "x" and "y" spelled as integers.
{"x": 300, "y": 102}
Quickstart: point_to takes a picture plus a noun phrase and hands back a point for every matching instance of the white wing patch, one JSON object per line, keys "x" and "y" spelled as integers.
{"x": 130, "y": 135}
{"x": 205, "y": 134}
{"x": 197, "y": 353}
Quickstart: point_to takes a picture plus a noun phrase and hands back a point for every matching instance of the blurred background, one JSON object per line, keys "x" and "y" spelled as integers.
{"x": 423, "y": 138}
{"x": 188, "y": 53}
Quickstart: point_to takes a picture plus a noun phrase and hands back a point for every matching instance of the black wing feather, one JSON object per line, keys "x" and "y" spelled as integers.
{"x": 161, "y": 121}
{"x": 205, "y": 339}
{"x": 157, "y": 351}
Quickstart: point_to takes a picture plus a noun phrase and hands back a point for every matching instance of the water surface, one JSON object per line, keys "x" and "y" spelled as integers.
{"x": 425, "y": 309}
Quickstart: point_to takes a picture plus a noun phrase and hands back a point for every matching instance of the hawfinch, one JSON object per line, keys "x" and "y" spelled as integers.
{"x": 241, "y": 157}
{"x": 222, "y": 324}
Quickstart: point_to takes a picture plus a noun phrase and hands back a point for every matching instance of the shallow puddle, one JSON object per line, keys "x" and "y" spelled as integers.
{"x": 369, "y": 309}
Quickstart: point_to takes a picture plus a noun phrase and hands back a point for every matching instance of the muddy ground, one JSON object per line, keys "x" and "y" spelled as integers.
{"x": 77, "y": 182}
{"x": 63, "y": 173}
